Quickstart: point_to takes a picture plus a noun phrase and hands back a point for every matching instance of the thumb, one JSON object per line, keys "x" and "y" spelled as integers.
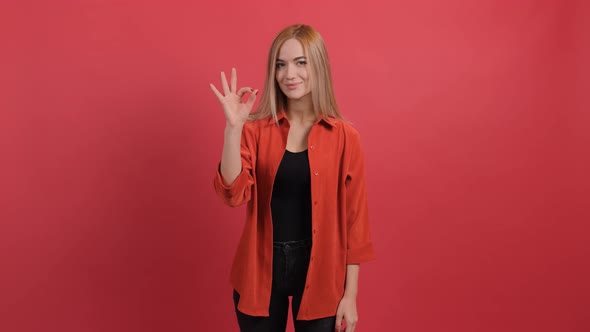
{"x": 339, "y": 318}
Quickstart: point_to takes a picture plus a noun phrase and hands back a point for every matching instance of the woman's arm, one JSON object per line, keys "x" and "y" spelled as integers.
{"x": 347, "y": 307}
{"x": 231, "y": 160}
{"x": 235, "y": 158}
{"x": 352, "y": 280}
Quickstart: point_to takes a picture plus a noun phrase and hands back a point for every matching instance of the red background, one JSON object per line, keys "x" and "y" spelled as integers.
{"x": 473, "y": 116}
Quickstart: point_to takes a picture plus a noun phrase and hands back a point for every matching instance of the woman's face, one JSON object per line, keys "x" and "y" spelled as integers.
{"x": 292, "y": 73}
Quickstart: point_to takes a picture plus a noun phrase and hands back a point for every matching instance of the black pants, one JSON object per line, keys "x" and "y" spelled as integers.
{"x": 290, "y": 263}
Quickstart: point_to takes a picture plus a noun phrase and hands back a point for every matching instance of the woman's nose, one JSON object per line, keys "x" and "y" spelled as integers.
{"x": 290, "y": 72}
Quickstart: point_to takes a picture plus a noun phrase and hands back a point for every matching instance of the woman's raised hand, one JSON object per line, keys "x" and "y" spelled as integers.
{"x": 236, "y": 111}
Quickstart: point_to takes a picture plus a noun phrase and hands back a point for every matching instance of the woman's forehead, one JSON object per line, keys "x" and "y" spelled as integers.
{"x": 290, "y": 50}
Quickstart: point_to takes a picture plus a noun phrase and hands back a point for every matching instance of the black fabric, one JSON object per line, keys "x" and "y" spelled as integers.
{"x": 290, "y": 264}
{"x": 291, "y": 198}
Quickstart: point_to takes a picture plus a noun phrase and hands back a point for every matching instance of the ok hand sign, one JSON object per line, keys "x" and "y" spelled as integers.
{"x": 236, "y": 111}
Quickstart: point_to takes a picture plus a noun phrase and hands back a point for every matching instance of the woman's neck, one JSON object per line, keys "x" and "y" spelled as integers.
{"x": 300, "y": 111}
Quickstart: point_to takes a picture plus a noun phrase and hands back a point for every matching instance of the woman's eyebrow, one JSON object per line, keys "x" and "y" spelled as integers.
{"x": 295, "y": 59}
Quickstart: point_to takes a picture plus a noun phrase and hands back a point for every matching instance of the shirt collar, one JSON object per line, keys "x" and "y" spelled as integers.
{"x": 281, "y": 115}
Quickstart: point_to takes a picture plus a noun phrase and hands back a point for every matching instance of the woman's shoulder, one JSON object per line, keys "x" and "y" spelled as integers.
{"x": 253, "y": 125}
{"x": 345, "y": 126}
{"x": 255, "y": 122}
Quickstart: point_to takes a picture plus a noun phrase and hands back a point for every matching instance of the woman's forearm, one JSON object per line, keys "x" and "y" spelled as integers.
{"x": 231, "y": 161}
{"x": 352, "y": 280}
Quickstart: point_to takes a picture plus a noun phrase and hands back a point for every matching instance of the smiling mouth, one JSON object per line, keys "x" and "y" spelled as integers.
{"x": 292, "y": 86}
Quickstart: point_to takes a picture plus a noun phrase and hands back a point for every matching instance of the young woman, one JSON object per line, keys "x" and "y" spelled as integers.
{"x": 299, "y": 167}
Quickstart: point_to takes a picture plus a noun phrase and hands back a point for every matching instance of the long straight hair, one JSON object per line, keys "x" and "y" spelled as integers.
{"x": 274, "y": 100}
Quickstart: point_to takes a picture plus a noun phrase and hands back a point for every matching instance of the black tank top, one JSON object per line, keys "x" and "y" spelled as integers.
{"x": 291, "y": 198}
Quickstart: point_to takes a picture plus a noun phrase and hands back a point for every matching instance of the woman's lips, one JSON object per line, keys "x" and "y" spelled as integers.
{"x": 292, "y": 86}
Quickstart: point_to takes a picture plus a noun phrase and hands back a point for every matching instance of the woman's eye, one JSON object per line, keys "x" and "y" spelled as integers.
{"x": 280, "y": 65}
{"x": 302, "y": 63}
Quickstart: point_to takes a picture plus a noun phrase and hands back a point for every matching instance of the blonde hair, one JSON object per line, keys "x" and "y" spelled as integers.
{"x": 274, "y": 100}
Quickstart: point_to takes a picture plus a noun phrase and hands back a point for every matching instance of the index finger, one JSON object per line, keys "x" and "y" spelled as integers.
{"x": 244, "y": 90}
{"x": 349, "y": 328}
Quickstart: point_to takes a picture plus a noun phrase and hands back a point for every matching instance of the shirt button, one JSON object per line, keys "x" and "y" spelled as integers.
{"x": 315, "y": 203}
{"x": 314, "y": 231}
{"x": 307, "y": 287}
{"x": 315, "y": 173}
{"x": 312, "y": 147}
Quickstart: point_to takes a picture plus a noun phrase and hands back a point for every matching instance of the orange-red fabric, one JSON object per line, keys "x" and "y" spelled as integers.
{"x": 340, "y": 224}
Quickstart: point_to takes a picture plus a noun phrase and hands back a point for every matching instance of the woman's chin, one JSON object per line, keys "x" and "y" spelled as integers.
{"x": 296, "y": 95}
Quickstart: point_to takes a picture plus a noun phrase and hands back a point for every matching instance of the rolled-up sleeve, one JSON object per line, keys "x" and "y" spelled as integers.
{"x": 240, "y": 191}
{"x": 359, "y": 244}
